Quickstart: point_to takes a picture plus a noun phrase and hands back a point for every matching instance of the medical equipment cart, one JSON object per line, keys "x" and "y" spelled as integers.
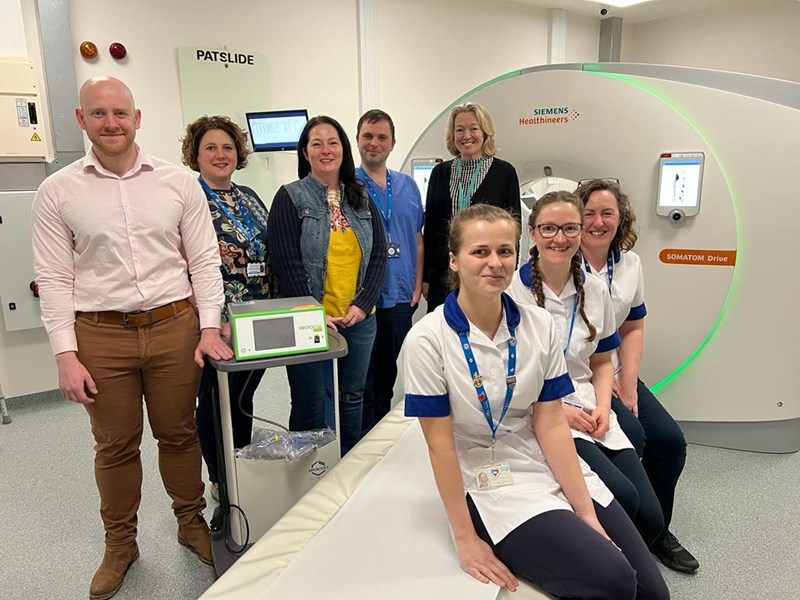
{"x": 254, "y": 493}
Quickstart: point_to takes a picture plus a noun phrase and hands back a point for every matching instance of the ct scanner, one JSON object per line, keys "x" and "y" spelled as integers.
{"x": 717, "y": 334}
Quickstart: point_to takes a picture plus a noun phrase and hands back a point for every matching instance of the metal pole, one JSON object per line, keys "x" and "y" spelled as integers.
{"x": 4, "y": 408}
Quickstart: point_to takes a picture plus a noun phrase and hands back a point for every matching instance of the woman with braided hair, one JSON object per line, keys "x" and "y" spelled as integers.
{"x": 580, "y": 304}
{"x": 607, "y": 242}
{"x": 485, "y": 376}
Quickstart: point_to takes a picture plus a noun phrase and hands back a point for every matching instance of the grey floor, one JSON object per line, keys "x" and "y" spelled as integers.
{"x": 737, "y": 511}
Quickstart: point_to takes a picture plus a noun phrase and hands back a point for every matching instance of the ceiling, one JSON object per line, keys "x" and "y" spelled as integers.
{"x": 641, "y": 13}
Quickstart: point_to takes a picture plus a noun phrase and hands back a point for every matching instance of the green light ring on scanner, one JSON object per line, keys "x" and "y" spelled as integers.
{"x": 638, "y": 84}
{"x": 595, "y": 69}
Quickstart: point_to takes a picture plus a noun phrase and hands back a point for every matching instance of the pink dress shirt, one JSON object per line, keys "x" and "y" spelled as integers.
{"x": 104, "y": 242}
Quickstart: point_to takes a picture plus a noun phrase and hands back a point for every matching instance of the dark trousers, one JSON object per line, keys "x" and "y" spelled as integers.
{"x": 238, "y": 384}
{"x": 127, "y": 363}
{"x": 393, "y": 324}
{"x": 659, "y": 441}
{"x": 436, "y": 295}
{"x": 623, "y": 474}
{"x": 312, "y": 387}
{"x": 565, "y": 557}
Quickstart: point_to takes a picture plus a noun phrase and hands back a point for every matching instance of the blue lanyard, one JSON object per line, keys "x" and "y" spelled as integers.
{"x": 571, "y": 322}
{"x": 464, "y": 197}
{"x": 477, "y": 380}
{"x": 609, "y": 269}
{"x": 248, "y": 228}
{"x": 387, "y": 214}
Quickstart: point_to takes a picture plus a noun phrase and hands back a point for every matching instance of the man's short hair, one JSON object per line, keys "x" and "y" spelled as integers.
{"x": 374, "y": 116}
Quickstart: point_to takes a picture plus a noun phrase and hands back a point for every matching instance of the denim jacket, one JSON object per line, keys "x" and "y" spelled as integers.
{"x": 309, "y": 197}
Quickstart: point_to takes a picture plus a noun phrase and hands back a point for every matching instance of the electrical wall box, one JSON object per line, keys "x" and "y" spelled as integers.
{"x": 281, "y": 327}
{"x": 23, "y": 131}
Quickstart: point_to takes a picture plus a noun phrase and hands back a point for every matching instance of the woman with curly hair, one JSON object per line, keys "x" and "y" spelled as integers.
{"x": 609, "y": 234}
{"x": 216, "y": 147}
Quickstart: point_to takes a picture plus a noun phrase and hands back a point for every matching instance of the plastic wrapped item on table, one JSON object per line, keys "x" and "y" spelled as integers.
{"x": 269, "y": 444}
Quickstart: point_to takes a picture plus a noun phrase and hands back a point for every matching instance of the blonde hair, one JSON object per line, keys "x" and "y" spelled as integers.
{"x": 489, "y": 148}
{"x": 476, "y": 212}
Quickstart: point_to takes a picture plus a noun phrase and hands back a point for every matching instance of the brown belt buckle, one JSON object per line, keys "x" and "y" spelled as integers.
{"x": 136, "y": 313}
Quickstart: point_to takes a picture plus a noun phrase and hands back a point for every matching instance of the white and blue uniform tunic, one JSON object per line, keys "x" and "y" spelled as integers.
{"x": 438, "y": 383}
{"x": 600, "y": 312}
{"x": 624, "y": 278}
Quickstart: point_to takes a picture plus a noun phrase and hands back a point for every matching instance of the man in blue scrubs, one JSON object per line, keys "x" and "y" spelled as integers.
{"x": 397, "y": 197}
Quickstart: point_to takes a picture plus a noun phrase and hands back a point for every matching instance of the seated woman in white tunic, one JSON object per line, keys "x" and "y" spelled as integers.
{"x": 484, "y": 376}
{"x": 581, "y": 306}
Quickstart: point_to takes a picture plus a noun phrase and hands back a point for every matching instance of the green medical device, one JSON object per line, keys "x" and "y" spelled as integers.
{"x": 282, "y": 327}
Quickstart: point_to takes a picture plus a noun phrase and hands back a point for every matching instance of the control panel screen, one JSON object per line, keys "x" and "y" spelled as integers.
{"x": 679, "y": 182}
{"x": 269, "y": 334}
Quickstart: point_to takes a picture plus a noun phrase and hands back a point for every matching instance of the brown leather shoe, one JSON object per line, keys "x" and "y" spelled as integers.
{"x": 195, "y": 537}
{"x": 111, "y": 573}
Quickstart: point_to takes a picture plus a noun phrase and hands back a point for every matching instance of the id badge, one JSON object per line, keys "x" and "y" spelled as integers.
{"x": 493, "y": 476}
{"x": 256, "y": 269}
{"x": 392, "y": 250}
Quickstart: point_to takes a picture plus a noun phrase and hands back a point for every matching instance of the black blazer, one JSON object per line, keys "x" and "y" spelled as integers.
{"x": 500, "y": 188}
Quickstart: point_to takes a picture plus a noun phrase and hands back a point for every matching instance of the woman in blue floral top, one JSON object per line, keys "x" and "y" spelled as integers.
{"x": 216, "y": 147}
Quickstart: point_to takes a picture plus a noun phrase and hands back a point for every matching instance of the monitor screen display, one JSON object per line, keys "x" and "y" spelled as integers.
{"x": 275, "y": 130}
{"x": 679, "y": 181}
{"x": 421, "y": 169}
{"x": 273, "y": 333}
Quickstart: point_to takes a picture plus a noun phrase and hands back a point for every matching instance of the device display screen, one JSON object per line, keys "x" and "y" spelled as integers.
{"x": 276, "y": 130}
{"x": 269, "y": 334}
{"x": 679, "y": 182}
{"x": 422, "y": 174}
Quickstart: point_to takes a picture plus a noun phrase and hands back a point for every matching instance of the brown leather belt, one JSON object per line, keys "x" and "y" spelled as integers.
{"x": 139, "y": 318}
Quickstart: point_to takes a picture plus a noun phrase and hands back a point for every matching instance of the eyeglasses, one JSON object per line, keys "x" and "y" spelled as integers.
{"x": 550, "y": 230}
{"x": 611, "y": 180}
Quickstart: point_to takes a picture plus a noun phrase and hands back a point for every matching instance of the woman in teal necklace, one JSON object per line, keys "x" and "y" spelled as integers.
{"x": 474, "y": 176}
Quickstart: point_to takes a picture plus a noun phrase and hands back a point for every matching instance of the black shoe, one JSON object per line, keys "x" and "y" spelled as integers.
{"x": 674, "y": 556}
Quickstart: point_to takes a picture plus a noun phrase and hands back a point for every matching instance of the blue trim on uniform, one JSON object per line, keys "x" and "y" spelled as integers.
{"x": 609, "y": 343}
{"x": 637, "y": 312}
{"x": 458, "y": 321}
{"x": 526, "y": 274}
{"x": 553, "y": 389}
{"x": 418, "y": 405}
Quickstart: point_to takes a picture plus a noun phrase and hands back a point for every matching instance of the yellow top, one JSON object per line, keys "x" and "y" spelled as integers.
{"x": 344, "y": 260}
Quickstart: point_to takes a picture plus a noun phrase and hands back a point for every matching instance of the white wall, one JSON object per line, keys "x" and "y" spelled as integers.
{"x": 427, "y": 62}
{"x": 755, "y": 36}
{"x": 311, "y": 45}
{"x": 12, "y": 29}
{"x": 430, "y": 53}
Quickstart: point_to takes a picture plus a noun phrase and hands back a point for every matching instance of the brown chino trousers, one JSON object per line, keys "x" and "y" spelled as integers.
{"x": 127, "y": 363}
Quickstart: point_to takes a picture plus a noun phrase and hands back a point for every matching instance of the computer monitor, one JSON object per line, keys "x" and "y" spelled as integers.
{"x": 275, "y": 130}
{"x": 680, "y": 182}
{"x": 421, "y": 169}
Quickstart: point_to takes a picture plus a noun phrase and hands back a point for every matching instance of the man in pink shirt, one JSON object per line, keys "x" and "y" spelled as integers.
{"x": 116, "y": 238}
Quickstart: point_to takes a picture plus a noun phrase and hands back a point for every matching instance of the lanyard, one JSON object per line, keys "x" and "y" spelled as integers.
{"x": 477, "y": 381}
{"x": 248, "y": 228}
{"x": 464, "y": 197}
{"x": 387, "y": 214}
{"x": 609, "y": 269}
{"x": 571, "y": 324}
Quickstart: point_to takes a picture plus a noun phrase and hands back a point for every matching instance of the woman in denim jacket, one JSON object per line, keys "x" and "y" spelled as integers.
{"x": 327, "y": 241}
